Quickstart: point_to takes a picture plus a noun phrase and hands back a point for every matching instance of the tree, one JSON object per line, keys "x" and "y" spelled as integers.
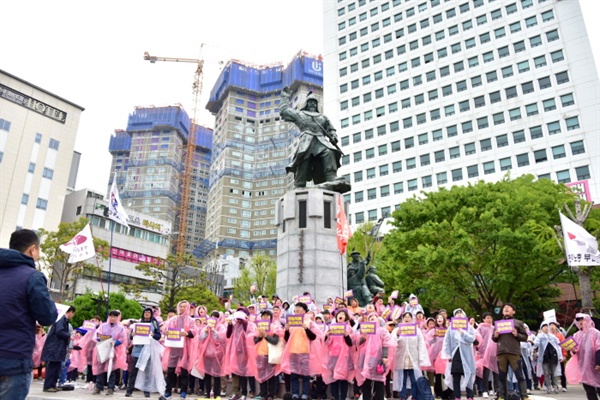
{"x": 261, "y": 271}
{"x": 63, "y": 273}
{"x": 90, "y": 304}
{"x": 169, "y": 276}
{"x": 478, "y": 246}
{"x": 362, "y": 241}
{"x": 199, "y": 294}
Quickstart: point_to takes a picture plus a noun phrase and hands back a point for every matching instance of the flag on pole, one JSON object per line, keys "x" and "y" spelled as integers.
{"x": 580, "y": 246}
{"x": 116, "y": 212}
{"x": 342, "y": 227}
{"x": 81, "y": 247}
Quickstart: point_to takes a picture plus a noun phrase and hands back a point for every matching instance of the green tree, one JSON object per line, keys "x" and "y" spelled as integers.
{"x": 169, "y": 276}
{"x": 362, "y": 241}
{"x": 90, "y": 304}
{"x": 477, "y": 246}
{"x": 199, "y": 294}
{"x": 261, "y": 271}
{"x": 64, "y": 274}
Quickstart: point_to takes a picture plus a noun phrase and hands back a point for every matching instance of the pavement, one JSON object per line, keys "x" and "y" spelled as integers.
{"x": 82, "y": 393}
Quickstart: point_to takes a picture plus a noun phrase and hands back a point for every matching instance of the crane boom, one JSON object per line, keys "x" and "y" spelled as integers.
{"x": 190, "y": 149}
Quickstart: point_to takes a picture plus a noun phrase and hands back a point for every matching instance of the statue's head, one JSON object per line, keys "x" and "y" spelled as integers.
{"x": 311, "y": 103}
{"x": 355, "y": 255}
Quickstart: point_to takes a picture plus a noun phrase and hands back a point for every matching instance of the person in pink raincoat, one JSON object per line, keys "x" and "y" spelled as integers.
{"x": 296, "y": 358}
{"x": 584, "y": 366}
{"x": 435, "y": 340}
{"x": 486, "y": 361}
{"x": 238, "y": 360}
{"x": 266, "y": 373}
{"x": 113, "y": 330}
{"x": 40, "y": 339}
{"x": 338, "y": 360}
{"x": 372, "y": 363}
{"x": 176, "y": 360}
{"x": 211, "y": 350}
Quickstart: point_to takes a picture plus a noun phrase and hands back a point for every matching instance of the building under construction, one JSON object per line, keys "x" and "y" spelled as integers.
{"x": 251, "y": 148}
{"x": 149, "y": 159}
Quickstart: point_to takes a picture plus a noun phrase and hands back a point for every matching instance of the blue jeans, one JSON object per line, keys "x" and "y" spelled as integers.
{"x": 295, "y": 384}
{"x": 409, "y": 373}
{"x": 15, "y": 386}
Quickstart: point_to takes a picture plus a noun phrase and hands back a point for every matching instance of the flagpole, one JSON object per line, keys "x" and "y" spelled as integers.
{"x": 112, "y": 230}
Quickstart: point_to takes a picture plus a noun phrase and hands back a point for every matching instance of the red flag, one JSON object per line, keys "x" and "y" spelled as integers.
{"x": 342, "y": 227}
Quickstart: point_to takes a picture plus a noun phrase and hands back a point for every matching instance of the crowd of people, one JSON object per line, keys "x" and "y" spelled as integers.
{"x": 337, "y": 350}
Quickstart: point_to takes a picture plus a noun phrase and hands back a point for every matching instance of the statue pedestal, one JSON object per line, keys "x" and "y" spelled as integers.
{"x": 308, "y": 259}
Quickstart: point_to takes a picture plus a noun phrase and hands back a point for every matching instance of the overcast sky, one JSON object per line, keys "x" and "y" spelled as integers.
{"x": 91, "y": 53}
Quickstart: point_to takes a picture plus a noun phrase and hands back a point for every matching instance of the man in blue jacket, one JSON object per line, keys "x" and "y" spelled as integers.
{"x": 55, "y": 349}
{"x": 24, "y": 298}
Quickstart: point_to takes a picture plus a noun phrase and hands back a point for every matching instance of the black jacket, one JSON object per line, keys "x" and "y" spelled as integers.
{"x": 57, "y": 341}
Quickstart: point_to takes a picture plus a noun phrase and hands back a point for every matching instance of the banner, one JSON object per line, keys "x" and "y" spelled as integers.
{"x": 81, "y": 247}
{"x": 342, "y": 226}
{"x": 116, "y": 212}
{"x": 581, "y": 248}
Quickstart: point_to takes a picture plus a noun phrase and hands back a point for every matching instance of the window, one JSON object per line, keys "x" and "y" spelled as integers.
{"x": 450, "y": 13}
{"x": 527, "y": 87}
{"x": 379, "y": 93}
{"x": 514, "y": 114}
{"x": 515, "y": 27}
{"x": 371, "y": 194}
{"x": 449, "y": 110}
{"x": 502, "y": 140}
{"x": 563, "y": 176}
{"x": 467, "y": 127}
{"x": 451, "y": 131}
{"x": 384, "y": 191}
{"x": 382, "y": 149}
{"x": 512, "y": 8}
{"x": 380, "y": 111}
{"x": 523, "y": 160}
{"x": 406, "y": 103}
{"x": 500, "y": 32}
{"x": 540, "y": 61}
{"x": 466, "y": 25}
{"x": 498, "y": 118}
{"x": 582, "y": 173}
{"x": 54, "y": 144}
{"x": 540, "y": 156}
{"x": 526, "y": 3}
{"x": 485, "y": 144}
{"x": 358, "y": 156}
{"x": 479, "y": 101}
{"x": 476, "y": 81}
{"x": 439, "y": 156}
{"x": 547, "y": 16}
{"x": 496, "y": 14}
{"x": 437, "y": 135}
{"x": 459, "y": 66}
{"x": 532, "y": 109}
{"x": 412, "y": 185}
{"x": 577, "y": 147}
{"x": 41, "y": 203}
{"x": 411, "y": 163}
{"x": 441, "y": 178}
{"x": 489, "y": 168}
{"x": 482, "y": 19}
{"x": 437, "y": 18}
{"x": 473, "y": 61}
{"x": 553, "y": 127}
{"x": 409, "y": 142}
{"x": 567, "y": 100}
{"x": 559, "y": 152}
{"x": 31, "y": 168}
{"x": 536, "y": 132}
{"x": 424, "y": 159}
{"x": 531, "y": 21}
{"x": 25, "y": 198}
{"x": 358, "y": 176}
{"x": 454, "y": 152}
{"x": 562, "y": 77}
{"x": 426, "y": 181}
{"x": 503, "y": 52}
{"x": 518, "y": 136}
{"x": 368, "y": 134}
{"x": 572, "y": 123}
{"x": 370, "y": 173}
{"x": 447, "y": 90}
{"x": 484, "y": 38}
{"x": 419, "y": 99}
{"x": 397, "y": 166}
{"x": 505, "y": 164}
{"x": 412, "y": 28}
{"x": 552, "y": 35}
{"x": 470, "y": 148}
{"x": 383, "y": 170}
{"x": 430, "y": 76}
{"x": 445, "y": 71}
{"x": 48, "y": 173}
{"x": 472, "y": 171}
{"x": 356, "y": 119}
{"x": 3, "y": 125}
{"x": 482, "y": 122}
{"x": 544, "y": 82}
{"x": 549, "y": 104}
{"x": 457, "y": 175}
{"x": 407, "y": 122}
{"x": 461, "y": 85}
{"x": 398, "y": 187}
{"x": 358, "y": 197}
{"x": 417, "y": 80}
{"x": 523, "y": 66}
{"x": 369, "y": 153}
{"x": 557, "y": 56}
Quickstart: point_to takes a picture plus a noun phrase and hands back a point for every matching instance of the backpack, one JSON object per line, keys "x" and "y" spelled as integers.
{"x": 423, "y": 389}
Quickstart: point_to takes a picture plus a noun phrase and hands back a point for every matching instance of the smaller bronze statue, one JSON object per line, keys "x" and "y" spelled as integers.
{"x": 317, "y": 157}
{"x": 364, "y": 282}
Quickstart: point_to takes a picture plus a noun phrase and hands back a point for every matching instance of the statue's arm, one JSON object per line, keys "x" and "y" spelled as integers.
{"x": 332, "y": 132}
{"x": 286, "y": 112}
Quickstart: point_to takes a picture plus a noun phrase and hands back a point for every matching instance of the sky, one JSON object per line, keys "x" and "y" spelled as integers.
{"x": 92, "y": 53}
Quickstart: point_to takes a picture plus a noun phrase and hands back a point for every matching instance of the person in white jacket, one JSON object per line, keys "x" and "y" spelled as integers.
{"x": 458, "y": 349}
{"x": 549, "y": 357}
{"x": 409, "y": 358}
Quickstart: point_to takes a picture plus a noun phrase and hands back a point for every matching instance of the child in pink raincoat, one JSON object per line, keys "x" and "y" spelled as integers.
{"x": 211, "y": 350}
{"x": 338, "y": 360}
{"x": 486, "y": 360}
{"x": 238, "y": 360}
{"x": 266, "y": 373}
{"x": 116, "y": 333}
{"x": 435, "y": 341}
{"x": 584, "y": 366}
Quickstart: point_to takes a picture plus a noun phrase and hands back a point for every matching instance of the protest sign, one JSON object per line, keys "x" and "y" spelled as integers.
{"x": 504, "y": 326}
{"x": 459, "y": 323}
{"x": 141, "y": 333}
{"x": 295, "y": 320}
{"x": 337, "y": 329}
{"x": 368, "y": 327}
{"x": 174, "y": 338}
{"x": 407, "y": 329}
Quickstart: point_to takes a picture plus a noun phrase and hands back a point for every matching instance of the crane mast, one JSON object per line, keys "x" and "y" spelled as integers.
{"x": 190, "y": 148}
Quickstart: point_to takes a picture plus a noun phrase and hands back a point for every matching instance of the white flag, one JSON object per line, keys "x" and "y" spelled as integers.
{"x": 580, "y": 246}
{"x": 81, "y": 247}
{"x": 116, "y": 212}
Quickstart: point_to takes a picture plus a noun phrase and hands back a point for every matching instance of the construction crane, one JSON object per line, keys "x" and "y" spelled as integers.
{"x": 191, "y": 145}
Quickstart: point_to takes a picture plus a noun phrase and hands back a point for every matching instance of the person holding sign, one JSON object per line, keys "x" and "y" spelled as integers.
{"x": 338, "y": 366}
{"x": 458, "y": 349}
{"x": 549, "y": 356}
{"x": 211, "y": 350}
{"x": 410, "y": 355}
{"x": 486, "y": 353}
{"x": 435, "y": 339}
{"x": 113, "y": 331}
{"x": 238, "y": 360}
{"x": 267, "y": 332}
{"x": 148, "y": 327}
{"x": 586, "y": 356}
{"x": 300, "y": 333}
{"x": 179, "y": 332}
{"x": 509, "y": 351}
{"x": 372, "y": 363}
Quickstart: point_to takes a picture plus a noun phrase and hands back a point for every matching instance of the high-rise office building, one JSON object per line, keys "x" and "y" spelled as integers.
{"x": 148, "y": 159}
{"x": 37, "y": 138}
{"x": 251, "y": 148}
{"x": 436, "y": 93}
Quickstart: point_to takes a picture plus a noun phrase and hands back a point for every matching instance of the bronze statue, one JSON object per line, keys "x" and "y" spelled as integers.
{"x": 364, "y": 282}
{"x": 317, "y": 157}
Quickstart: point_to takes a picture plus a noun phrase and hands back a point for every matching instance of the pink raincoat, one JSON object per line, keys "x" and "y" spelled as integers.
{"x": 264, "y": 370}
{"x": 174, "y": 357}
{"x": 338, "y": 358}
{"x": 301, "y": 355}
{"x": 86, "y": 354}
{"x": 370, "y": 353}
{"x": 76, "y": 355}
{"x": 238, "y": 351}
{"x": 117, "y": 332}
{"x": 435, "y": 343}
{"x": 484, "y": 359}
{"x": 588, "y": 339}
{"x": 211, "y": 350}
{"x": 40, "y": 340}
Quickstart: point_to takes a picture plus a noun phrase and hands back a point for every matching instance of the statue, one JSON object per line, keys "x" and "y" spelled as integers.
{"x": 317, "y": 157}
{"x": 364, "y": 282}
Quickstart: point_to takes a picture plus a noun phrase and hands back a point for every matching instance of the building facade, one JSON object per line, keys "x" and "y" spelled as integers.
{"x": 251, "y": 148}
{"x": 436, "y": 93}
{"x": 147, "y": 239}
{"x": 148, "y": 157}
{"x": 37, "y": 140}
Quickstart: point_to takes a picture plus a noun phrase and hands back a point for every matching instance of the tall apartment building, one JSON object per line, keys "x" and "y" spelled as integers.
{"x": 37, "y": 138}
{"x": 434, "y": 93}
{"x": 251, "y": 147}
{"x": 148, "y": 158}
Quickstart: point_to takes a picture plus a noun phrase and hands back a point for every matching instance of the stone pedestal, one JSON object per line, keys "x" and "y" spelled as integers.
{"x": 308, "y": 259}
